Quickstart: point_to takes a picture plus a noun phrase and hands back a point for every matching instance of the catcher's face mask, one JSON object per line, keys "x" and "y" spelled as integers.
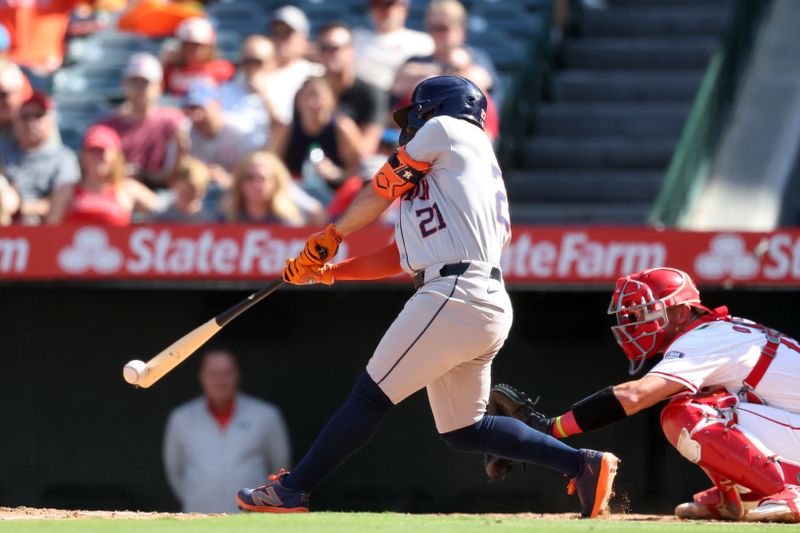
{"x": 641, "y": 322}
{"x": 640, "y": 303}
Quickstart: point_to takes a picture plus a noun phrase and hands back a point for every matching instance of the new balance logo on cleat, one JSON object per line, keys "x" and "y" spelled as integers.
{"x": 267, "y": 496}
{"x": 273, "y": 497}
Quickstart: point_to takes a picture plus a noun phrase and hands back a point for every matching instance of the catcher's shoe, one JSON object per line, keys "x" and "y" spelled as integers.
{"x": 273, "y": 497}
{"x": 780, "y": 507}
{"x": 713, "y": 504}
{"x": 595, "y": 483}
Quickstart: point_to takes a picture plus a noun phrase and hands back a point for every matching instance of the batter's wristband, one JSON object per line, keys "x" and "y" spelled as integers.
{"x": 598, "y": 410}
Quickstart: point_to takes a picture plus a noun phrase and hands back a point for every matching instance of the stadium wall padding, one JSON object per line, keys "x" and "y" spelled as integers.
{"x": 73, "y": 434}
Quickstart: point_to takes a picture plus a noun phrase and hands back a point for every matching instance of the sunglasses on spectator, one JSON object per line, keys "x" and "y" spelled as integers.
{"x": 382, "y": 4}
{"x": 281, "y": 31}
{"x": 331, "y": 48}
{"x": 439, "y": 28}
{"x": 34, "y": 115}
{"x": 252, "y": 61}
{"x": 254, "y": 176}
{"x": 136, "y": 82}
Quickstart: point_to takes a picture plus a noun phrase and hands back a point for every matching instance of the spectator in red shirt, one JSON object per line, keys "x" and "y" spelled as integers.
{"x": 149, "y": 134}
{"x": 105, "y": 195}
{"x": 196, "y": 60}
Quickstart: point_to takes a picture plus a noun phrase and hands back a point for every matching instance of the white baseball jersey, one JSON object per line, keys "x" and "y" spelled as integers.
{"x": 721, "y": 354}
{"x": 459, "y": 210}
{"x": 448, "y": 333}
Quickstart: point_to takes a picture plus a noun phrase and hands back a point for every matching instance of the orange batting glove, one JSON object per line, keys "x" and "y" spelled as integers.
{"x": 297, "y": 274}
{"x": 320, "y": 247}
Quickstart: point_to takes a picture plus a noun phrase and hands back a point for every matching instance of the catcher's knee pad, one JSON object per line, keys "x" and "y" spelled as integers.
{"x": 704, "y": 431}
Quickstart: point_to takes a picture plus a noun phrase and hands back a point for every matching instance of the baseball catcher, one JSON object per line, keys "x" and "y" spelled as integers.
{"x": 735, "y": 397}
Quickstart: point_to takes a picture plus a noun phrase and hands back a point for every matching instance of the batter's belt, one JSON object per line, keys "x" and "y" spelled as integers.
{"x": 454, "y": 269}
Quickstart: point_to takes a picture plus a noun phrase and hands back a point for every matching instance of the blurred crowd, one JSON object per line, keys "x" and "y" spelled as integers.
{"x": 287, "y": 134}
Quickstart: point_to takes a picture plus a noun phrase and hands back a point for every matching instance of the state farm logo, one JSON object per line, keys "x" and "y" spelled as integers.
{"x": 90, "y": 250}
{"x": 577, "y": 255}
{"x": 727, "y": 257}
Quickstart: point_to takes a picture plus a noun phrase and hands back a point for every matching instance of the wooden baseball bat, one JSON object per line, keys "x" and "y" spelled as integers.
{"x": 181, "y": 349}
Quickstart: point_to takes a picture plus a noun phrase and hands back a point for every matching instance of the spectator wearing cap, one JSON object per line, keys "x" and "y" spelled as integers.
{"x": 196, "y": 60}
{"x": 189, "y": 185}
{"x": 150, "y": 134}
{"x": 383, "y": 49}
{"x": 215, "y": 138}
{"x": 446, "y": 22}
{"x": 360, "y": 100}
{"x": 34, "y": 160}
{"x": 14, "y": 89}
{"x": 104, "y": 195}
{"x": 248, "y": 95}
{"x": 289, "y": 30}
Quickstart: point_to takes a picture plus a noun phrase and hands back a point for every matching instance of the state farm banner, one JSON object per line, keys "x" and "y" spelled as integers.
{"x": 536, "y": 255}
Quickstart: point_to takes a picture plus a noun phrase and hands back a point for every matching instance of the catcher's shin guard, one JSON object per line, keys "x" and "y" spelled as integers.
{"x": 704, "y": 431}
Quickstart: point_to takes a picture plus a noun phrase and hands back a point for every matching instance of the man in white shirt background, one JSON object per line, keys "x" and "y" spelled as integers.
{"x": 221, "y": 440}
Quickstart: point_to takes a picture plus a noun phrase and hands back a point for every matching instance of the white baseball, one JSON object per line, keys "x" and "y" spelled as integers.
{"x": 134, "y": 371}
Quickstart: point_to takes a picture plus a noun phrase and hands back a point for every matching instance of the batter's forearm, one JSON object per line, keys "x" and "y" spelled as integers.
{"x": 384, "y": 263}
{"x": 364, "y": 210}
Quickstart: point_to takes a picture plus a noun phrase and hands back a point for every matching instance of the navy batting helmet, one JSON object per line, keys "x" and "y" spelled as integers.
{"x": 453, "y": 96}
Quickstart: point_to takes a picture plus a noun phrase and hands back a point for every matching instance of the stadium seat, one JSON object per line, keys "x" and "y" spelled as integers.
{"x": 71, "y": 137}
{"x": 169, "y": 100}
{"x": 229, "y": 43}
{"x": 243, "y": 18}
{"x": 80, "y": 107}
{"x": 102, "y": 81}
{"x": 108, "y": 47}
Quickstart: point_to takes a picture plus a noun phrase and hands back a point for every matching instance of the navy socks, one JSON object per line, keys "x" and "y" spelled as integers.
{"x": 508, "y": 437}
{"x": 355, "y": 423}
{"x": 352, "y": 427}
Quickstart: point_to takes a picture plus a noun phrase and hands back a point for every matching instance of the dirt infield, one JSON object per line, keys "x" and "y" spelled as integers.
{"x": 31, "y": 513}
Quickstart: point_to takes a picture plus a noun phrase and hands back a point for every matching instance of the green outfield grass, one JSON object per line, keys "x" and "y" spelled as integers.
{"x": 372, "y": 522}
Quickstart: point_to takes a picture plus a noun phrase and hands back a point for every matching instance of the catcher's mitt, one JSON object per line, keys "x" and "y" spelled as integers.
{"x": 505, "y": 400}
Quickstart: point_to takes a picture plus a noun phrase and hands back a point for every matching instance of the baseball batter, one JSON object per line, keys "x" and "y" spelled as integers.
{"x": 735, "y": 389}
{"x": 452, "y": 229}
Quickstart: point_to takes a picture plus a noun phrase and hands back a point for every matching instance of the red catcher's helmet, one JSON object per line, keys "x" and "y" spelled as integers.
{"x": 640, "y": 303}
